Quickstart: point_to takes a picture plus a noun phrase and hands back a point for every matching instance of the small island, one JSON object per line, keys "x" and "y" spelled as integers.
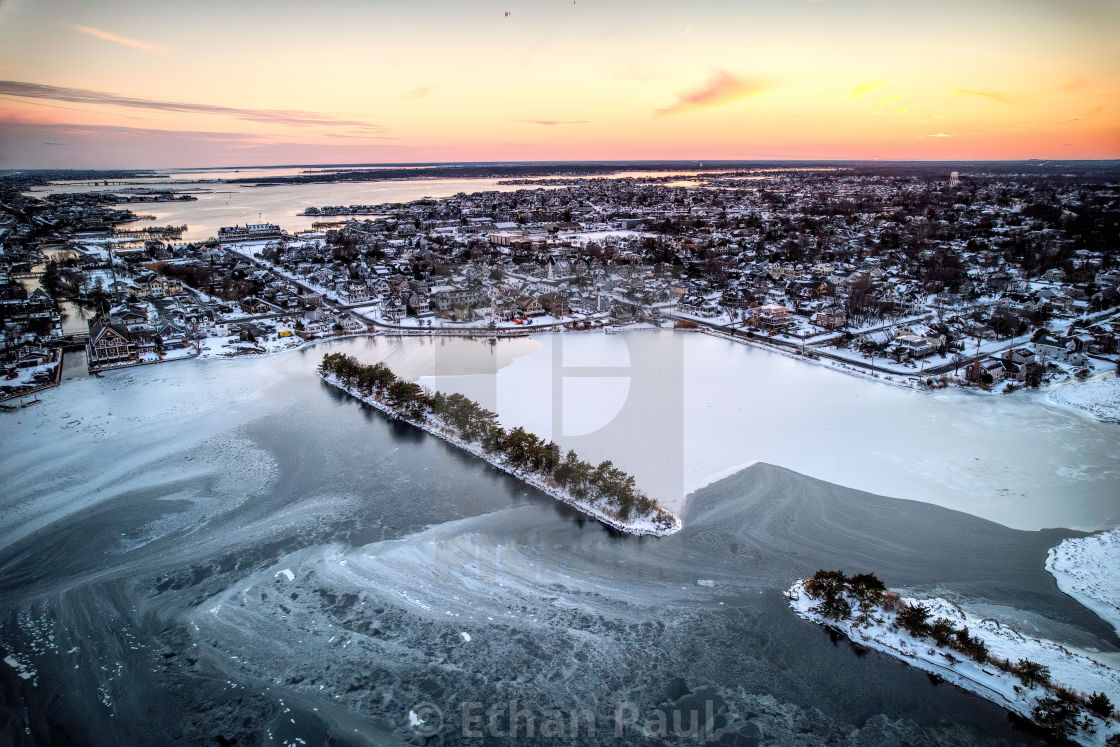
{"x": 1065, "y": 692}
{"x": 603, "y": 492}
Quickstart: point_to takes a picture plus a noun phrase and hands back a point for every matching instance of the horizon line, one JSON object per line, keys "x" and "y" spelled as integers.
{"x": 590, "y": 162}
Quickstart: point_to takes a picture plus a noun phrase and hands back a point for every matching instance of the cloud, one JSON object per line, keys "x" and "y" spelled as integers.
{"x": 149, "y": 47}
{"x": 59, "y": 106}
{"x": 938, "y": 134}
{"x": 552, "y": 122}
{"x": 722, "y": 88}
{"x": 24, "y": 145}
{"x": 421, "y": 92}
{"x": 291, "y": 117}
{"x": 867, "y": 87}
{"x": 1001, "y": 98}
{"x": 61, "y": 130}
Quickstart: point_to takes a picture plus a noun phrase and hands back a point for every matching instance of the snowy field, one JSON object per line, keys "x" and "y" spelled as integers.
{"x": 1088, "y": 569}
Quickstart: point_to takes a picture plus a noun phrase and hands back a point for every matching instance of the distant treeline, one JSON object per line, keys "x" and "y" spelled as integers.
{"x": 523, "y": 170}
{"x": 477, "y": 425}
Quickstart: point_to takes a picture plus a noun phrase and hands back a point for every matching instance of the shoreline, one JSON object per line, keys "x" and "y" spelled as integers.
{"x": 1099, "y": 410}
{"x": 1072, "y": 670}
{"x": 1087, "y": 569}
{"x": 1041, "y": 397}
{"x": 535, "y": 481}
{"x": 912, "y": 382}
{"x": 907, "y": 382}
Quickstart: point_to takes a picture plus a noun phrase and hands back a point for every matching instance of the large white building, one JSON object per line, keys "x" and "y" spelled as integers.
{"x": 250, "y": 232}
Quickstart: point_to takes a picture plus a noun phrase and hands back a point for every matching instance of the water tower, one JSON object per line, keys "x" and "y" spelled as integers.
{"x": 954, "y": 180}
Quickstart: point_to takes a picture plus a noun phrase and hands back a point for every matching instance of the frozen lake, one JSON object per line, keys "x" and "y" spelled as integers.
{"x": 678, "y": 410}
{"x": 232, "y": 549}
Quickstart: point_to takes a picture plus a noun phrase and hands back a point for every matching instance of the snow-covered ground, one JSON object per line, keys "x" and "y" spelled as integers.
{"x": 1100, "y": 398}
{"x": 639, "y": 525}
{"x": 213, "y": 347}
{"x": 374, "y": 311}
{"x": 1088, "y": 569}
{"x": 25, "y": 377}
{"x": 1070, "y": 668}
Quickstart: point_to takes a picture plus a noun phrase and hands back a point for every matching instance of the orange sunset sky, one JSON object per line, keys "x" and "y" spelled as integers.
{"x": 157, "y": 84}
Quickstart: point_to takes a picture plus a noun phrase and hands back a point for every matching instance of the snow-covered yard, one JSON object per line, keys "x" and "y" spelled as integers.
{"x": 214, "y": 347}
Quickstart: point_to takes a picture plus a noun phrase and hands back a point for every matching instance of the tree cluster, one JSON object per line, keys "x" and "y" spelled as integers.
{"x": 519, "y": 448}
{"x": 1061, "y": 713}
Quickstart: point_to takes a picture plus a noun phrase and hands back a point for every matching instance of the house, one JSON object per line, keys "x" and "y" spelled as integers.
{"x": 988, "y": 371}
{"x": 32, "y": 355}
{"x": 530, "y": 306}
{"x": 109, "y": 342}
{"x": 1019, "y": 355}
{"x": 774, "y": 315}
{"x": 171, "y": 336}
{"x": 919, "y": 346}
{"x": 254, "y": 305}
{"x": 830, "y": 317}
{"x": 1031, "y": 373}
{"x": 353, "y": 293}
{"x": 446, "y": 297}
{"x": 130, "y": 315}
{"x": 392, "y": 309}
{"x": 151, "y": 284}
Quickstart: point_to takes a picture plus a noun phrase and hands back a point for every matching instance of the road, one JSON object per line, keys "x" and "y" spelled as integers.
{"x": 799, "y": 347}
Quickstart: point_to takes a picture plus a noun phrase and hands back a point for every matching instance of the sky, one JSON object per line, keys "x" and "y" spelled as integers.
{"x": 115, "y": 84}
